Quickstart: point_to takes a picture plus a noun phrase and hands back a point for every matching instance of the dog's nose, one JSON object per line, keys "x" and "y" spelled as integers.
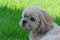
{"x": 24, "y": 21}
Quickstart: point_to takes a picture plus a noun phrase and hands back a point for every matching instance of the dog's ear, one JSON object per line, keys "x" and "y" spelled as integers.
{"x": 46, "y": 17}
{"x": 46, "y": 21}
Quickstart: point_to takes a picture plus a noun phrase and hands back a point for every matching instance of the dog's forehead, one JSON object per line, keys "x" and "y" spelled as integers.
{"x": 30, "y": 14}
{"x": 31, "y": 11}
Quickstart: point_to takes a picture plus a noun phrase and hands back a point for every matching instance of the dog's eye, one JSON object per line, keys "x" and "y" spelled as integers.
{"x": 32, "y": 19}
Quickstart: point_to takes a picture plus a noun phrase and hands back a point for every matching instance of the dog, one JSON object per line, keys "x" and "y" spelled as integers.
{"x": 40, "y": 24}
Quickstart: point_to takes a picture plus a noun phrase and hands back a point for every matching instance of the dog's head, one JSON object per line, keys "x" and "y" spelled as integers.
{"x": 36, "y": 19}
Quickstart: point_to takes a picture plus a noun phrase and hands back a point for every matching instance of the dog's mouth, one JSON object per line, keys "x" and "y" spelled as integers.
{"x": 23, "y": 25}
{"x": 28, "y": 27}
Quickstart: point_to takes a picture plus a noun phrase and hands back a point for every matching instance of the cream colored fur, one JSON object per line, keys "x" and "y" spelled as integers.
{"x": 42, "y": 27}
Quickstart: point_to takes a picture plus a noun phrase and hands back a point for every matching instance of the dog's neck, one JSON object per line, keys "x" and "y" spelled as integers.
{"x": 35, "y": 36}
{"x": 38, "y": 33}
{"x": 43, "y": 28}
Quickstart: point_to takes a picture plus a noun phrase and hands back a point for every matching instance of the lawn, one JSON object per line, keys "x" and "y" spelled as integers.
{"x": 10, "y": 15}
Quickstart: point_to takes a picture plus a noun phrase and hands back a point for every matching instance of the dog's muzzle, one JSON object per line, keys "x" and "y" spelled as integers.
{"x": 24, "y": 22}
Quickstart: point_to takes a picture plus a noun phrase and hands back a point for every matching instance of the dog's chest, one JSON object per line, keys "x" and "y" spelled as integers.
{"x": 35, "y": 36}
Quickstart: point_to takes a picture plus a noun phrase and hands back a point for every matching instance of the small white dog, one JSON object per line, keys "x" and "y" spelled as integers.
{"x": 40, "y": 24}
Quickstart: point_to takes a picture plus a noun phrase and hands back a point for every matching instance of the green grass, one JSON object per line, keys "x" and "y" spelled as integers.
{"x": 10, "y": 15}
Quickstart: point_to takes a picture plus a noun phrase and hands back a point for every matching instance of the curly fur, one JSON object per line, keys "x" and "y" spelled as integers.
{"x": 43, "y": 28}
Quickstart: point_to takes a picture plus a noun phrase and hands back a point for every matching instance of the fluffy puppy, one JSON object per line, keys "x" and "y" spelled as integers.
{"x": 40, "y": 24}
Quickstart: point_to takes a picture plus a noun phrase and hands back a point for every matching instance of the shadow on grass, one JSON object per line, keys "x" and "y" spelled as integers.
{"x": 57, "y": 20}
